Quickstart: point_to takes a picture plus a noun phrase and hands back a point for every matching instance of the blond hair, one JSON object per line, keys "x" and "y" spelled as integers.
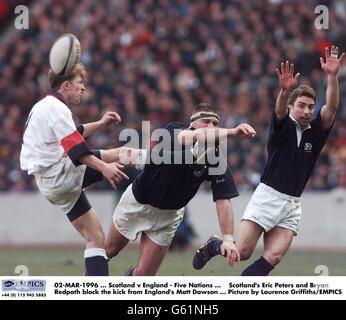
{"x": 56, "y": 80}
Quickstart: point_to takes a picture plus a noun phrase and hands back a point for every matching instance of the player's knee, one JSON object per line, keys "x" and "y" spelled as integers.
{"x": 111, "y": 250}
{"x": 144, "y": 271}
{"x": 245, "y": 252}
{"x": 273, "y": 257}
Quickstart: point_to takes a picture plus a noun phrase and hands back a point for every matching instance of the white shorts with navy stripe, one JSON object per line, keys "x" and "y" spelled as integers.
{"x": 65, "y": 189}
{"x": 132, "y": 218}
{"x": 270, "y": 208}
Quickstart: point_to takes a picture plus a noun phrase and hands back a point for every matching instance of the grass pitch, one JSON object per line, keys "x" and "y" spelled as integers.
{"x": 70, "y": 262}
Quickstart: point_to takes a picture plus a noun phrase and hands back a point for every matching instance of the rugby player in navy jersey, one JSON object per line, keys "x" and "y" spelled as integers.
{"x": 294, "y": 143}
{"x": 153, "y": 206}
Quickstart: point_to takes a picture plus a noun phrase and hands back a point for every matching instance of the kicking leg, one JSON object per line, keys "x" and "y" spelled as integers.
{"x": 115, "y": 242}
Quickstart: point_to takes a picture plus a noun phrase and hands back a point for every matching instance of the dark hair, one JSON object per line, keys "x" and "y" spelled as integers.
{"x": 300, "y": 91}
{"x": 56, "y": 80}
{"x": 205, "y": 107}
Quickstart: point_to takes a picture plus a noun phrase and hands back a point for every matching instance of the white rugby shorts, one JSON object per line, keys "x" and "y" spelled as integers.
{"x": 270, "y": 208}
{"x": 63, "y": 189}
{"x": 131, "y": 218}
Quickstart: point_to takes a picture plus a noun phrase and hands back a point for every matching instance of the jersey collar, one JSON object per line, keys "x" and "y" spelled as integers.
{"x": 298, "y": 125}
{"x": 57, "y": 95}
{"x": 299, "y": 130}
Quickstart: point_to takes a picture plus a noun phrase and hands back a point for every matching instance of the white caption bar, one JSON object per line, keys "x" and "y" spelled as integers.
{"x": 173, "y": 288}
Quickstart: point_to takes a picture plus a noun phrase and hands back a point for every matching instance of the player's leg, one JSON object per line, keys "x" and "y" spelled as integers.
{"x": 126, "y": 223}
{"x": 89, "y": 226}
{"x": 248, "y": 235}
{"x": 150, "y": 257}
{"x": 158, "y": 228}
{"x": 115, "y": 242}
{"x": 276, "y": 243}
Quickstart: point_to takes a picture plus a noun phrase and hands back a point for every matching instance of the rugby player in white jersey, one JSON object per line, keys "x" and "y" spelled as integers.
{"x": 55, "y": 152}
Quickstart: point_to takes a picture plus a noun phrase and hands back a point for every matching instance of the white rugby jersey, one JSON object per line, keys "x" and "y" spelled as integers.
{"x": 50, "y": 135}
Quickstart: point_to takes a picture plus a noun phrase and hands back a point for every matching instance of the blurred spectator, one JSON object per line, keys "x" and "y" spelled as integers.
{"x": 153, "y": 60}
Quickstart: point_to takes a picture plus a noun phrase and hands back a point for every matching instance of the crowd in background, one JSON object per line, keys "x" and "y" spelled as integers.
{"x": 155, "y": 59}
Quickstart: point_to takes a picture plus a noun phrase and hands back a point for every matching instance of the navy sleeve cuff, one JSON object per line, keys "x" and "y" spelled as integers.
{"x": 80, "y": 129}
{"x": 225, "y": 196}
{"x": 78, "y": 151}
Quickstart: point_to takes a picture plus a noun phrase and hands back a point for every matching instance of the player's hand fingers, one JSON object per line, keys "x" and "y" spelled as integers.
{"x": 231, "y": 257}
{"x": 321, "y": 62}
{"x": 121, "y": 175}
{"x": 237, "y": 257}
{"x": 334, "y": 52}
{"x": 112, "y": 183}
{"x": 342, "y": 56}
{"x": 222, "y": 250}
{"x": 327, "y": 52}
{"x": 251, "y": 130}
{"x": 278, "y": 72}
{"x": 248, "y": 131}
{"x": 287, "y": 67}
{"x": 297, "y": 76}
{"x": 282, "y": 68}
{"x": 243, "y": 130}
{"x": 292, "y": 69}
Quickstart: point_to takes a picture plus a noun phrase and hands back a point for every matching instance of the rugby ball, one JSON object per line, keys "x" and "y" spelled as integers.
{"x": 65, "y": 54}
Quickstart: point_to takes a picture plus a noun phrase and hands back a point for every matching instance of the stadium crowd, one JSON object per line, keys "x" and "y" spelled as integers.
{"x": 155, "y": 59}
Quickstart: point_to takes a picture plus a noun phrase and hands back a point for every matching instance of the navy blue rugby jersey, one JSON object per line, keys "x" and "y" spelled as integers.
{"x": 172, "y": 186}
{"x": 290, "y": 161}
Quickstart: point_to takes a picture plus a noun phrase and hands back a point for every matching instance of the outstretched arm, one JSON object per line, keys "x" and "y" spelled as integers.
{"x": 287, "y": 81}
{"x": 188, "y": 137}
{"x": 108, "y": 118}
{"x": 226, "y": 222}
{"x": 331, "y": 67}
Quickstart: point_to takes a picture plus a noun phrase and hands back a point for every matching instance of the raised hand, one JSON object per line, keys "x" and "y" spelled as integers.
{"x": 332, "y": 64}
{"x": 287, "y": 79}
{"x": 110, "y": 117}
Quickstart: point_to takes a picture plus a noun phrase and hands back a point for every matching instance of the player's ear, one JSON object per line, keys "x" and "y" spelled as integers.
{"x": 289, "y": 106}
{"x": 65, "y": 85}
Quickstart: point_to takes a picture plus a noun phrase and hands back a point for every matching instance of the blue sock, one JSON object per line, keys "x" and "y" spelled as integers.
{"x": 260, "y": 267}
{"x": 214, "y": 247}
{"x": 96, "y": 262}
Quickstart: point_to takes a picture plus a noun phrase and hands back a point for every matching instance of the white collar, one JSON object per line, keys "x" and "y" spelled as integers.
{"x": 298, "y": 125}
